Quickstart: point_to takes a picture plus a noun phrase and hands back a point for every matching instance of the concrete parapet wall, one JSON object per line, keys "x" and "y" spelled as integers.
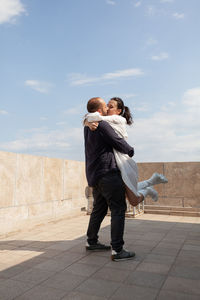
{"x": 183, "y": 187}
{"x": 35, "y": 189}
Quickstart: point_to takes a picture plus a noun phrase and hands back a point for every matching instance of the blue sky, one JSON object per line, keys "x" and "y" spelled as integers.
{"x": 55, "y": 55}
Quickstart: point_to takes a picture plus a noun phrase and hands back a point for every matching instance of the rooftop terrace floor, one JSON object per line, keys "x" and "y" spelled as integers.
{"x": 50, "y": 261}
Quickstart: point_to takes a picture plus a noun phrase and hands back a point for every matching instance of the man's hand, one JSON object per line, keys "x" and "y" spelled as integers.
{"x": 92, "y": 125}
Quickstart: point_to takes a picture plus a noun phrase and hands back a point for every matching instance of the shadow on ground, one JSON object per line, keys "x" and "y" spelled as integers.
{"x": 51, "y": 262}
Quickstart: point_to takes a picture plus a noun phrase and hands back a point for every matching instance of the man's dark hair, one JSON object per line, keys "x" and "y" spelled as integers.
{"x": 94, "y": 104}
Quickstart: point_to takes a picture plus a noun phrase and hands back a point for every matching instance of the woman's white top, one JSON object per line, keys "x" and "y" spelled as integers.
{"x": 126, "y": 164}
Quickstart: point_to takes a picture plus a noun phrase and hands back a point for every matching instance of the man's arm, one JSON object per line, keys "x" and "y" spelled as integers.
{"x": 92, "y": 123}
{"x": 112, "y": 138}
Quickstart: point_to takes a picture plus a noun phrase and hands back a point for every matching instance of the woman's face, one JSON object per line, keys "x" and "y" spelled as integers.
{"x": 112, "y": 108}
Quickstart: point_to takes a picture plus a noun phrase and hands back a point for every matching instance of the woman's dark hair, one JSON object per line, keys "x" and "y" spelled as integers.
{"x": 125, "y": 112}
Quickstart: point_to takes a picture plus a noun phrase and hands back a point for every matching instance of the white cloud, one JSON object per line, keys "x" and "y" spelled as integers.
{"x": 161, "y": 56}
{"x": 72, "y": 111}
{"x": 10, "y": 9}
{"x": 60, "y": 123}
{"x": 127, "y": 96}
{"x": 170, "y": 135}
{"x": 178, "y": 16}
{"x": 3, "y": 112}
{"x": 151, "y": 41}
{"x": 151, "y": 10}
{"x": 166, "y": 1}
{"x": 124, "y": 96}
{"x": 77, "y": 79}
{"x": 75, "y": 110}
{"x": 41, "y": 141}
{"x": 122, "y": 73}
{"x": 110, "y": 2}
{"x": 167, "y": 106}
{"x": 192, "y": 100}
{"x": 141, "y": 107}
{"x": 137, "y": 4}
{"x": 39, "y": 86}
{"x": 81, "y": 79}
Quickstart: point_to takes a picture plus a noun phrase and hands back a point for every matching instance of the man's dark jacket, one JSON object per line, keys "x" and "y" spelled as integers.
{"x": 99, "y": 154}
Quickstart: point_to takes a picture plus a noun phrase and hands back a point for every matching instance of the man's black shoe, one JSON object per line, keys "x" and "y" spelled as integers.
{"x": 97, "y": 247}
{"x": 122, "y": 255}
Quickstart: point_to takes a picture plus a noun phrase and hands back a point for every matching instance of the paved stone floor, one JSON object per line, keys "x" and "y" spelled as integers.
{"x": 50, "y": 261}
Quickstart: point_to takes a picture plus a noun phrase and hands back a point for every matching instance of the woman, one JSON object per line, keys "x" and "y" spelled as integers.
{"x": 118, "y": 117}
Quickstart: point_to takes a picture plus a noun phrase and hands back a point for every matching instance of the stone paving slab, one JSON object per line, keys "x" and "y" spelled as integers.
{"x": 169, "y": 295}
{"x": 127, "y": 292}
{"x": 50, "y": 261}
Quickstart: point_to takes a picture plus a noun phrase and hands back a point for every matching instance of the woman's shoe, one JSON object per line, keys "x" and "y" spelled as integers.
{"x": 149, "y": 191}
{"x": 156, "y": 178}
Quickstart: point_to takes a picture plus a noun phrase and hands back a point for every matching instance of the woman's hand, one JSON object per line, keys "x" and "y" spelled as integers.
{"x": 92, "y": 125}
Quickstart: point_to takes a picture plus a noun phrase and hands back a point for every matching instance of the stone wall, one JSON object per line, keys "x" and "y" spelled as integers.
{"x": 183, "y": 187}
{"x": 35, "y": 189}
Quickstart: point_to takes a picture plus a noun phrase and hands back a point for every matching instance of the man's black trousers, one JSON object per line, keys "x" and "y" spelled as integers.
{"x": 108, "y": 192}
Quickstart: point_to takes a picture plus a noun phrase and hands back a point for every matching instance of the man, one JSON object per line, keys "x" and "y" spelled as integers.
{"x": 108, "y": 188}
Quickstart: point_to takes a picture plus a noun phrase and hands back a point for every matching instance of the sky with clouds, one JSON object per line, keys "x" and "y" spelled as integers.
{"x": 56, "y": 55}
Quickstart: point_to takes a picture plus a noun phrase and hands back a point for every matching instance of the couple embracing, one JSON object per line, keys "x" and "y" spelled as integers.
{"x": 112, "y": 173}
